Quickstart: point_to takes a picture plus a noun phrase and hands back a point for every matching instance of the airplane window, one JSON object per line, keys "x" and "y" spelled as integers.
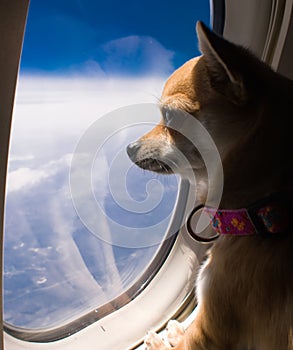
{"x": 85, "y": 229}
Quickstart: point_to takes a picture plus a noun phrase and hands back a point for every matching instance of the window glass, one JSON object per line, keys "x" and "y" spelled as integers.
{"x": 85, "y": 66}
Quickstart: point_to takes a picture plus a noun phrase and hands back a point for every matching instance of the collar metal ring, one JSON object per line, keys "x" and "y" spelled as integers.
{"x": 191, "y": 232}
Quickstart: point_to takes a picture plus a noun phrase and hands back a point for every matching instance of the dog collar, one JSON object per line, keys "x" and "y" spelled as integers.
{"x": 268, "y": 217}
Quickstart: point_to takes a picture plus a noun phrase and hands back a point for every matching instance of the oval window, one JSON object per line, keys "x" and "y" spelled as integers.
{"x": 85, "y": 229}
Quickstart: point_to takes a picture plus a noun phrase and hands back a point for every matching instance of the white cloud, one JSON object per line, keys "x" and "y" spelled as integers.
{"x": 138, "y": 53}
{"x": 14, "y": 158}
{"x": 90, "y": 68}
{"x": 68, "y": 105}
{"x": 130, "y": 55}
{"x": 25, "y": 177}
{"x": 52, "y": 113}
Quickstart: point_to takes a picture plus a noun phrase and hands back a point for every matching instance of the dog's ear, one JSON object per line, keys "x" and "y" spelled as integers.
{"x": 219, "y": 54}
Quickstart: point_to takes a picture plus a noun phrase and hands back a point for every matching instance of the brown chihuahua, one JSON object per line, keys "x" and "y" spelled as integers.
{"x": 245, "y": 286}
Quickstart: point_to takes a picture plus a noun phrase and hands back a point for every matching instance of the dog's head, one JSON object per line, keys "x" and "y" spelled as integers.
{"x": 219, "y": 89}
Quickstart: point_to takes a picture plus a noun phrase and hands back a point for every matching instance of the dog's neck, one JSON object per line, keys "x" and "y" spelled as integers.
{"x": 259, "y": 166}
{"x": 244, "y": 183}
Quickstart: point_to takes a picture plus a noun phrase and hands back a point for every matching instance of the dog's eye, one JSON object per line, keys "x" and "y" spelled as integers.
{"x": 168, "y": 117}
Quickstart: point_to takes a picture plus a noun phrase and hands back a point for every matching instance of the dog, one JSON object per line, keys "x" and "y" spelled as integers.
{"x": 245, "y": 285}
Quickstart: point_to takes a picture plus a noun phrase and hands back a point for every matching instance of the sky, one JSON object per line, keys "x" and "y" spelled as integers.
{"x": 85, "y": 62}
{"x": 118, "y": 37}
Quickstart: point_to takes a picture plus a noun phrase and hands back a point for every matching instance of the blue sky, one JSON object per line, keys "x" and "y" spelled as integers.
{"x": 67, "y": 33}
{"x": 84, "y": 59}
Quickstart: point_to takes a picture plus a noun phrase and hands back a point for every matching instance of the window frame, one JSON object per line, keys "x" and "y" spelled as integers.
{"x": 13, "y": 16}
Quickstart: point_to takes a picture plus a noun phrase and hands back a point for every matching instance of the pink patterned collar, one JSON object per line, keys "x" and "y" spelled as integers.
{"x": 268, "y": 217}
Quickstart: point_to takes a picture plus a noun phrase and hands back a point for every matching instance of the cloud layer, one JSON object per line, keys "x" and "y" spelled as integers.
{"x": 55, "y": 269}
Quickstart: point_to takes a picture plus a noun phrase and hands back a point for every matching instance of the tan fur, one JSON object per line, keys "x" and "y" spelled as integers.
{"x": 245, "y": 287}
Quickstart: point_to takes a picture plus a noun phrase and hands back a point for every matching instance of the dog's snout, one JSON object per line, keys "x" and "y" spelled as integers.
{"x": 132, "y": 149}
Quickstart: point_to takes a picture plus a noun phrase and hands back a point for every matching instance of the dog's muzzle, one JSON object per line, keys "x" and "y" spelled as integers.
{"x": 147, "y": 162}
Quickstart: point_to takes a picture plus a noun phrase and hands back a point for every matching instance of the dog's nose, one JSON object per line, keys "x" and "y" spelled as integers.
{"x": 132, "y": 149}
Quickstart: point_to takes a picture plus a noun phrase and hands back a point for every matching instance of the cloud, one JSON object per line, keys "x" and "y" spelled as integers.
{"x": 89, "y": 68}
{"x": 21, "y": 158}
{"x": 49, "y": 254}
{"x": 52, "y": 100}
{"x": 51, "y": 113}
{"x": 133, "y": 55}
{"x": 137, "y": 54}
{"x": 25, "y": 178}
